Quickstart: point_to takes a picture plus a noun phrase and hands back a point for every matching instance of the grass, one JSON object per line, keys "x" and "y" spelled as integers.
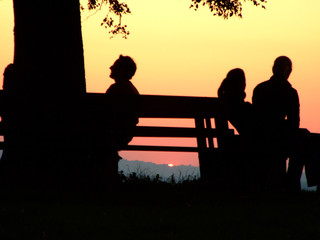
{"x": 148, "y": 208}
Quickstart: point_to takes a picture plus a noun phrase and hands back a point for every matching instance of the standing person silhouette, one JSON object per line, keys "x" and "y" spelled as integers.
{"x": 276, "y": 104}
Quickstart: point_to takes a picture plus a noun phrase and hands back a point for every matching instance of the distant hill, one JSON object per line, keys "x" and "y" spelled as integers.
{"x": 180, "y": 172}
{"x": 151, "y": 169}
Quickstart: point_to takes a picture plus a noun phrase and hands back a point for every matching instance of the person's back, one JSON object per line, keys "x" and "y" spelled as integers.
{"x": 125, "y": 108}
{"x": 276, "y": 103}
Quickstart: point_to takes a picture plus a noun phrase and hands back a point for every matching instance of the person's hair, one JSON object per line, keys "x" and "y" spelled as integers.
{"x": 282, "y": 65}
{"x": 128, "y": 65}
{"x": 235, "y": 82}
{"x": 8, "y": 76}
{"x": 8, "y": 70}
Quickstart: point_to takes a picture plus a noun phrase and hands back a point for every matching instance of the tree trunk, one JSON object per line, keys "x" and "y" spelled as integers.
{"x": 44, "y": 99}
{"x": 48, "y": 47}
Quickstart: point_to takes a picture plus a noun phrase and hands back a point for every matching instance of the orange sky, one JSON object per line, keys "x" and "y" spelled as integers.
{"x": 182, "y": 52}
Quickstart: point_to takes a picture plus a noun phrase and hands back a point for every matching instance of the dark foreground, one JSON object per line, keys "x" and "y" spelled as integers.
{"x": 162, "y": 211}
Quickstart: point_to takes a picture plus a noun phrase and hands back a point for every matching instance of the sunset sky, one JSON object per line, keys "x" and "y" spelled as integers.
{"x": 182, "y": 52}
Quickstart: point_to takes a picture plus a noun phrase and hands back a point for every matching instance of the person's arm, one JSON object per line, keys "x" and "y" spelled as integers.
{"x": 256, "y": 97}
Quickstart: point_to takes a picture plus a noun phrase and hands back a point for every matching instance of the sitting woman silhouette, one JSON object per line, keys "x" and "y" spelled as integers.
{"x": 241, "y": 170}
{"x": 232, "y": 94}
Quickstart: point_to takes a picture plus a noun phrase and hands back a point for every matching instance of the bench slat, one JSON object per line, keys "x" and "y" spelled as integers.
{"x": 156, "y": 106}
{"x": 142, "y": 131}
{"x": 160, "y": 148}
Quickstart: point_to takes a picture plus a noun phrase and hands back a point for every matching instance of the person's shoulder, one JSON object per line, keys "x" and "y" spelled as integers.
{"x": 293, "y": 91}
{"x": 129, "y": 88}
{"x": 134, "y": 89}
{"x": 287, "y": 87}
{"x": 123, "y": 88}
{"x": 111, "y": 89}
{"x": 262, "y": 85}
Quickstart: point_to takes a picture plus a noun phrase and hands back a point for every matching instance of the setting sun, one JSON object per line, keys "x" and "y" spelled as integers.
{"x": 170, "y": 165}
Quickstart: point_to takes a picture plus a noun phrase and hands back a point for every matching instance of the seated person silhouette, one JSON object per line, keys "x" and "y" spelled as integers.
{"x": 232, "y": 94}
{"x": 9, "y": 118}
{"x": 239, "y": 169}
{"x": 276, "y": 104}
{"x": 120, "y": 121}
{"x": 125, "y": 116}
{"x": 8, "y": 80}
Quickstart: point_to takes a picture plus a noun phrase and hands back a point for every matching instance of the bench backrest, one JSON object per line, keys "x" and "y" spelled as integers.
{"x": 209, "y": 126}
{"x": 208, "y": 134}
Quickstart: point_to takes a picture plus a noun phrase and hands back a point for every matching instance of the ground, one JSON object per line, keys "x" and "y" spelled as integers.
{"x": 170, "y": 213}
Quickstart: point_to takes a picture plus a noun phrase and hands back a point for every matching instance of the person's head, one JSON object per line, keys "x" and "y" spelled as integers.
{"x": 234, "y": 83}
{"x": 238, "y": 78}
{"x": 282, "y": 67}
{"x": 123, "y": 69}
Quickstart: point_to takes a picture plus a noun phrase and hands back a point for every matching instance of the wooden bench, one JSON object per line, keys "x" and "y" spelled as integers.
{"x": 210, "y": 128}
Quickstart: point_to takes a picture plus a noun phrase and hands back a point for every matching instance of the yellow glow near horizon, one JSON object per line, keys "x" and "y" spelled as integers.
{"x": 182, "y": 52}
